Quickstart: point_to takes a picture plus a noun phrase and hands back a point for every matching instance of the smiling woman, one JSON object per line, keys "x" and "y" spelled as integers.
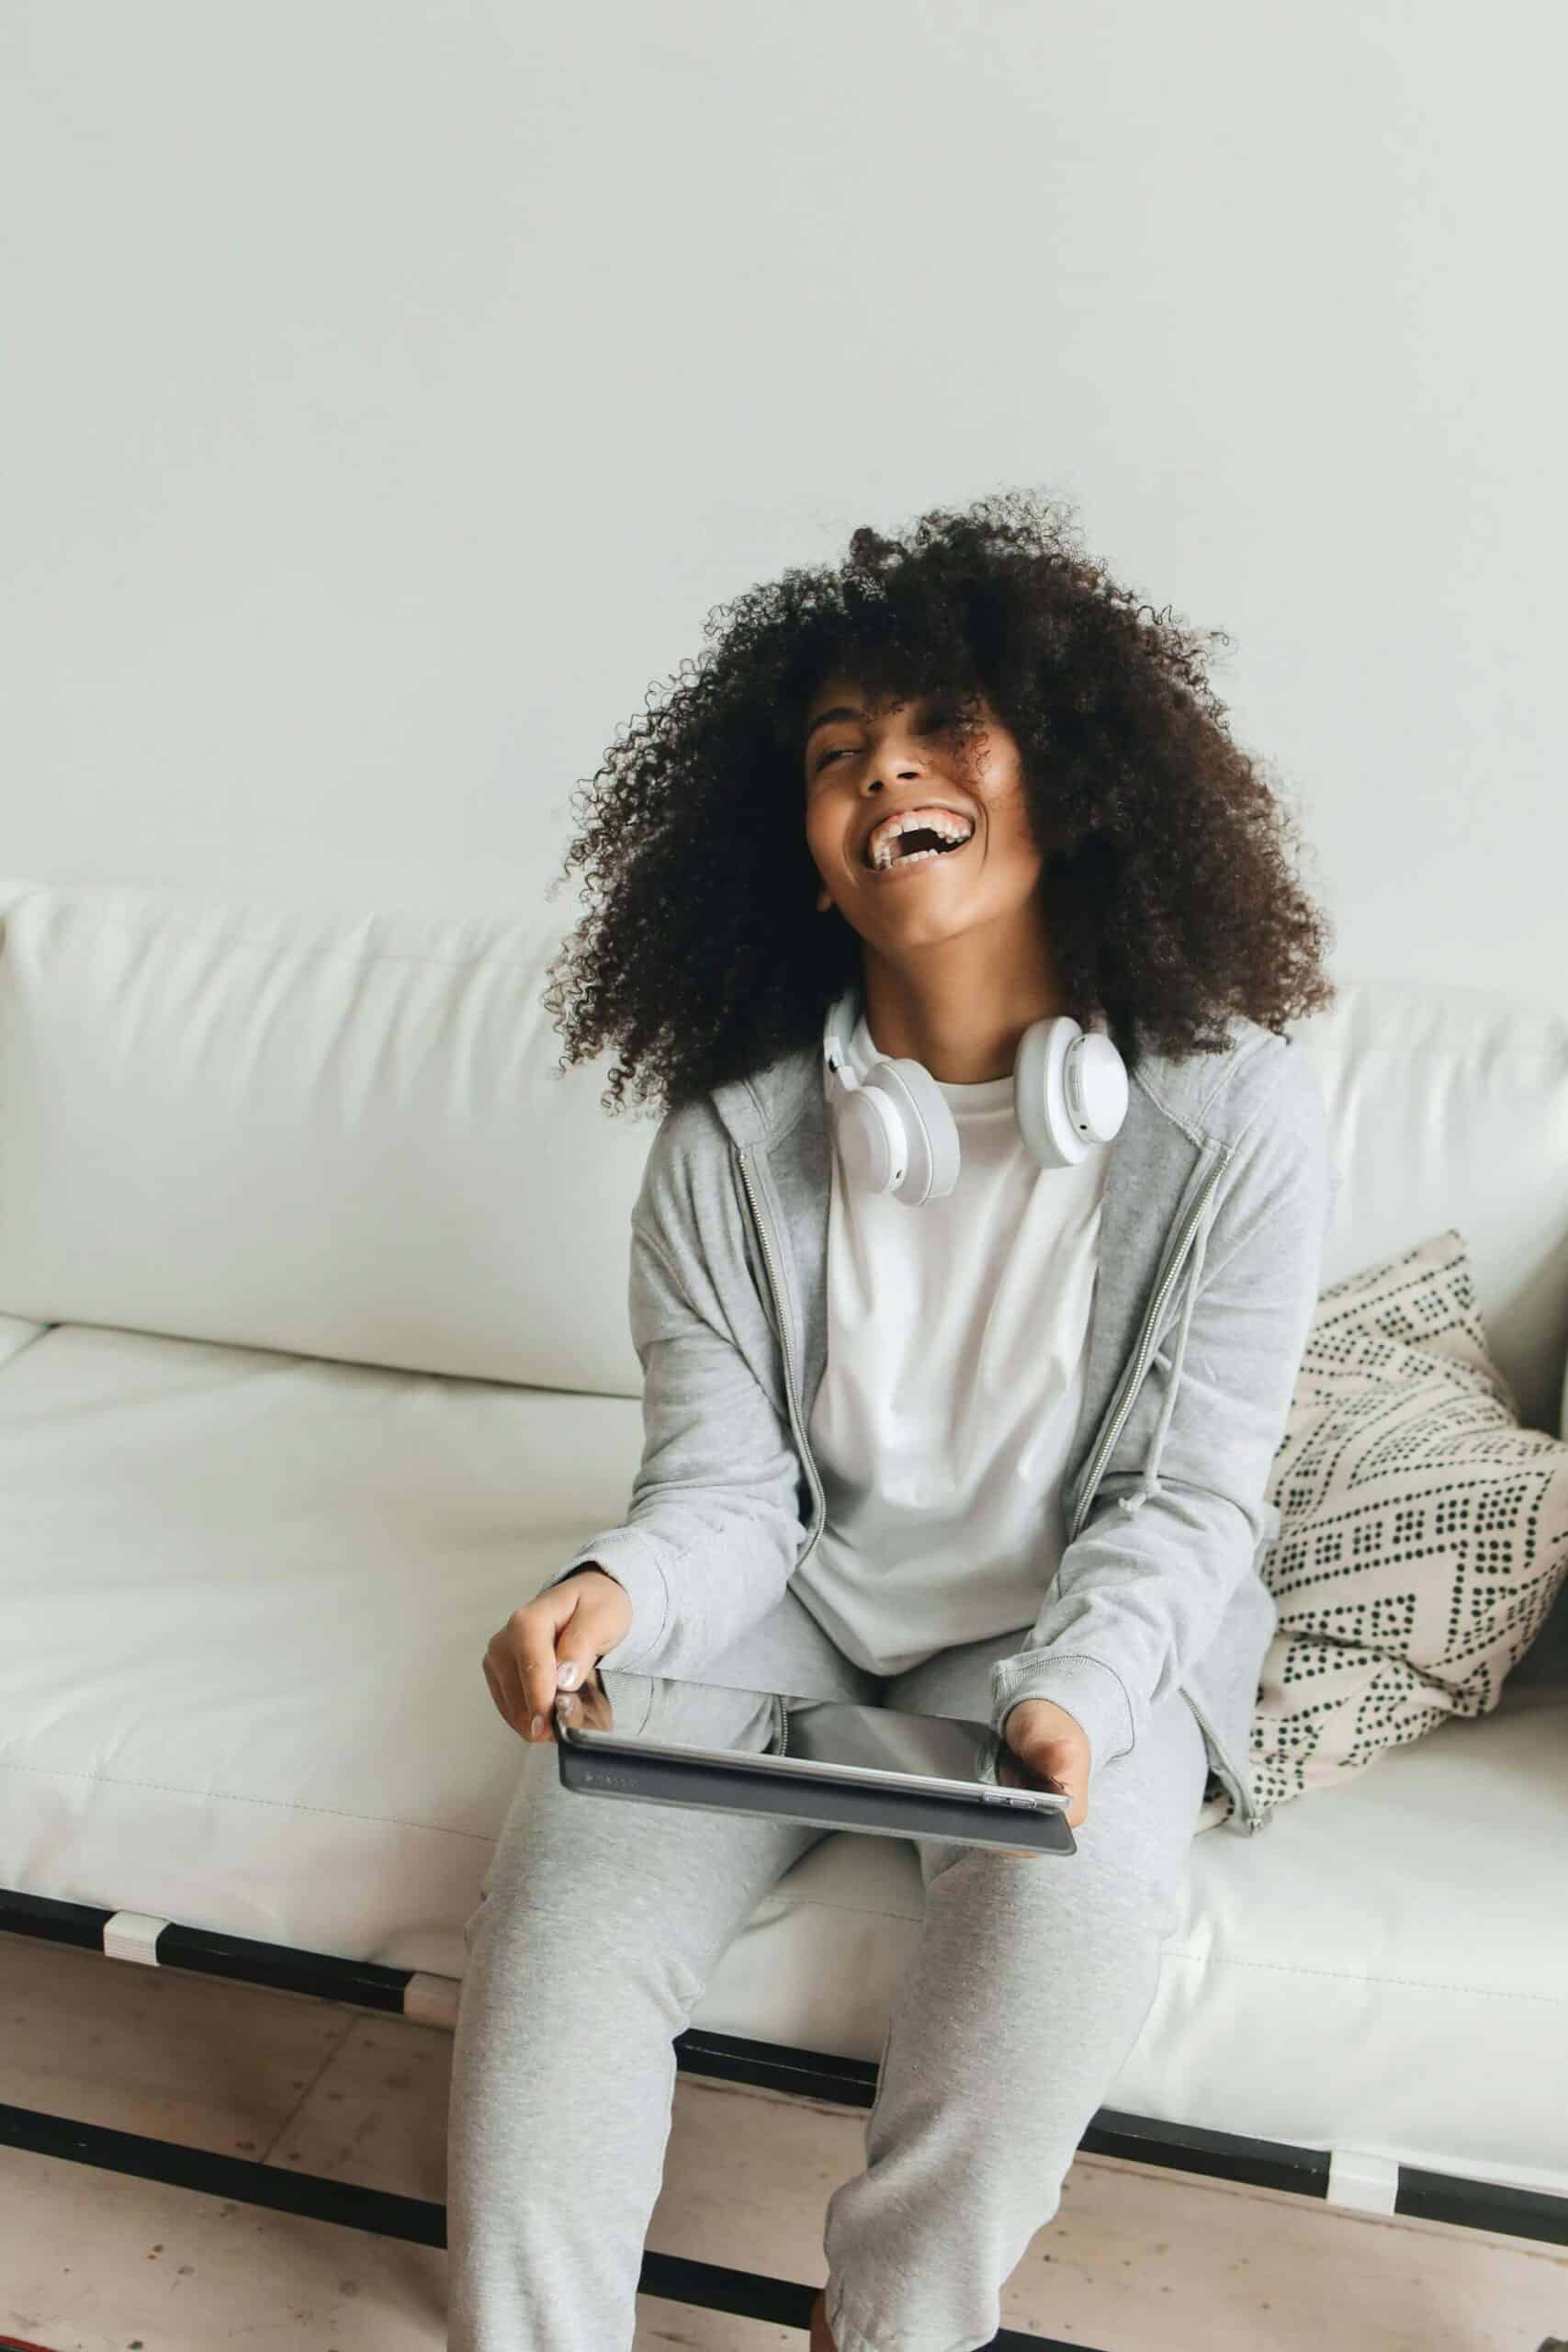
{"x": 1126, "y": 861}
{"x": 896, "y": 1298}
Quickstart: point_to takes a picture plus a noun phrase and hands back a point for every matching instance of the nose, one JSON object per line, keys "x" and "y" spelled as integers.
{"x": 890, "y": 757}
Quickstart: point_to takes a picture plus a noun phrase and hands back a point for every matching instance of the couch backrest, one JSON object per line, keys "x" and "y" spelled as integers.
{"x": 344, "y": 1134}
{"x": 336, "y": 1134}
{"x": 1447, "y": 1105}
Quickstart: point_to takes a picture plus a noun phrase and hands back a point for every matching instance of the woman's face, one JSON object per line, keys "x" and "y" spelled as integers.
{"x": 861, "y": 768}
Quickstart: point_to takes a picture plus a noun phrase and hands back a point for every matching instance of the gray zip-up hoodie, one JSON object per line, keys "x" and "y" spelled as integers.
{"x": 1217, "y": 1207}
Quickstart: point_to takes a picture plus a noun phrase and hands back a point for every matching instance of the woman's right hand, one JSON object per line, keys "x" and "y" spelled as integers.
{"x": 554, "y": 1642}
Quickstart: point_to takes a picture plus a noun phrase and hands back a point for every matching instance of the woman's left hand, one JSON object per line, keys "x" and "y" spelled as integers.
{"x": 1055, "y": 1746}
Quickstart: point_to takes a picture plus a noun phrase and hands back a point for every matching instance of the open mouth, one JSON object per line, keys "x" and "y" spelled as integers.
{"x": 919, "y": 847}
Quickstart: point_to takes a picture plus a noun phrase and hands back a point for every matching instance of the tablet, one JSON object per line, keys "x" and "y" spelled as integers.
{"x": 655, "y": 1739}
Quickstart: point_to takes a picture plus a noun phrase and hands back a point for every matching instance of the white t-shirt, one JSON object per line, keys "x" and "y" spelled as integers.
{"x": 951, "y": 1392}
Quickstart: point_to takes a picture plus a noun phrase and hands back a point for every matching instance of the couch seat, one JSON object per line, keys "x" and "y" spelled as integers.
{"x": 245, "y": 1601}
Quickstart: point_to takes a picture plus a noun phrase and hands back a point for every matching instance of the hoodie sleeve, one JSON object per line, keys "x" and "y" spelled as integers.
{"x": 714, "y": 1526}
{"x": 1142, "y": 1589}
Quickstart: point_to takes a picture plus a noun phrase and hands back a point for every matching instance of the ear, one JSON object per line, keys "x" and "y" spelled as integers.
{"x": 824, "y": 900}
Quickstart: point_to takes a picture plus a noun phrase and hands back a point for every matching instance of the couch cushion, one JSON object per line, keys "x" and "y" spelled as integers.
{"x": 338, "y": 1134}
{"x": 246, "y": 1598}
{"x": 246, "y": 1601}
{"x": 1447, "y": 1105}
{"x": 16, "y": 1334}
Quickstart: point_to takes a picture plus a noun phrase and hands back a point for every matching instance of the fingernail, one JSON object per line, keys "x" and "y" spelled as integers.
{"x": 566, "y": 1675}
{"x": 536, "y": 1727}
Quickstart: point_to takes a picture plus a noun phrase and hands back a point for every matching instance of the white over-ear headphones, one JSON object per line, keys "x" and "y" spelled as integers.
{"x": 895, "y": 1133}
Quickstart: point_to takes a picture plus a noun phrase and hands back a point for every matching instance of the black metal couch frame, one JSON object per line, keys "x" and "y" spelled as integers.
{"x": 849, "y": 2082}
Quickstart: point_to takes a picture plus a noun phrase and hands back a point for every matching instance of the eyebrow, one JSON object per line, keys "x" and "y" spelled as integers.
{"x": 840, "y": 710}
{"x": 843, "y": 710}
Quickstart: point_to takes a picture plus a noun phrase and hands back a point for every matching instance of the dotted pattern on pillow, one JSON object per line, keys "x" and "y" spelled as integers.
{"x": 1423, "y": 1533}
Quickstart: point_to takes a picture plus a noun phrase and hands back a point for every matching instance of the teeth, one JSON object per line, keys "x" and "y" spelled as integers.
{"x": 880, "y": 849}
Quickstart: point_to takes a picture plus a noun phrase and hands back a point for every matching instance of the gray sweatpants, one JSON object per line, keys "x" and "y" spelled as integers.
{"x": 598, "y": 1927}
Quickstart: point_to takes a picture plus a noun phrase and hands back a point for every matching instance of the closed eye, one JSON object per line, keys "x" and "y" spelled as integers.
{"x": 844, "y": 749}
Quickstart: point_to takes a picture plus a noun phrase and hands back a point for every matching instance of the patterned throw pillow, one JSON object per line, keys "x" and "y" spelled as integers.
{"x": 1423, "y": 1533}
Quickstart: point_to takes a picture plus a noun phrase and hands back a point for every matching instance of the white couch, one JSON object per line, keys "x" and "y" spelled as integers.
{"x": 313, "y": 1365}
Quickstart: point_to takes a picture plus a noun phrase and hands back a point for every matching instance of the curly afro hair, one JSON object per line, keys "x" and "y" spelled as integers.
{"x": 704, "y": 958}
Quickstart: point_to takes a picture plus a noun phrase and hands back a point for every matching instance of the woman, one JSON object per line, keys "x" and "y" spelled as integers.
{"x": 987, "y": 1437}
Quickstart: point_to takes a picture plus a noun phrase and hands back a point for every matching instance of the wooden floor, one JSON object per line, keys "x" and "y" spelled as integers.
{"x": 1137, "y": 2259}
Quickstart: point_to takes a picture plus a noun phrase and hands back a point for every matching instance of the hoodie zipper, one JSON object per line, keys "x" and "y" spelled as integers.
{"x": 819, "y": 1499}
{"x": 1142, "y": 1355}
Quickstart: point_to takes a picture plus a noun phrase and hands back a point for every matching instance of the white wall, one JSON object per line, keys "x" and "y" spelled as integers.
{"x": 390, "y": 390}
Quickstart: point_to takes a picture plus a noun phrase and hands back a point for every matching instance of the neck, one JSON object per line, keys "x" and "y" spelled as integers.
{"x": 960, "y": 1006}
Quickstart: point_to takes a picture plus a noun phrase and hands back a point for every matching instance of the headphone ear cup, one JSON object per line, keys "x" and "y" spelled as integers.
{"x": 1060, "y": 1065}
{"x": 871, "y": 1137}
{"x": 1098, "y": 1074}
{"x": 929, "y": 1125}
